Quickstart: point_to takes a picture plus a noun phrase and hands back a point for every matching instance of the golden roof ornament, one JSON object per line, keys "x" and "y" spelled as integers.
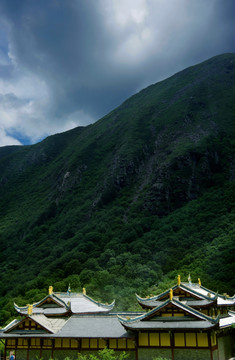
{"x": 50, "y": 290}
{"x": 30, "y": 309}
{"x": 199, "y": 282}
{"x": 84, "y": 291}
{"x": 178, "y": 280}
{"x": 171, "y": 294}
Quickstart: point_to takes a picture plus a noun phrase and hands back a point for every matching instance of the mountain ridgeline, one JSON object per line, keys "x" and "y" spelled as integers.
{"x": 123, "y": 205}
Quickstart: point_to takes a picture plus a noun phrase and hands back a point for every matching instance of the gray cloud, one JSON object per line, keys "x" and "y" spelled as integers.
{"x": 70, "y": 62}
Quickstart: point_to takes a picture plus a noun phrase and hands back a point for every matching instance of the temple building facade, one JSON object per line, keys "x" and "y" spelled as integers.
{"x": 185, "y": 322}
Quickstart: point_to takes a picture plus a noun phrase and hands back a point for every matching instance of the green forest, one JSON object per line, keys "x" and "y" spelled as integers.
{"x": 125, "y": 205}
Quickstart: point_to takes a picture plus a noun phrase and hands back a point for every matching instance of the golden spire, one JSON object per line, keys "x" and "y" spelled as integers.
{"x": 30, "y": 309}
{"x": 199, "y": 282}
{"x": 178, "y": 280}
{"x": 84, "y": 291}
{"x": 50, "y": 290}
{"x": 171, "y": 294}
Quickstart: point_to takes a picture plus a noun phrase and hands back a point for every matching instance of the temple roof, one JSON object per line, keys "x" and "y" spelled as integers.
{"x": 228, "y": 320}
{"x": 199, "y": 297}
{"x": 94, "y": 326}
{"x": 49, "y": 325}
{"x": 193, "y": 319}
{"x": 77, "y": 326}
{"x": 193, "y": 303}
{"x": 162, "y": 325}
{"x": 64, "y": 303}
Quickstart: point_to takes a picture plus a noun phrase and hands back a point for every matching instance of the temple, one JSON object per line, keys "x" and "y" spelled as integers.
{"x": 185, "y": 322}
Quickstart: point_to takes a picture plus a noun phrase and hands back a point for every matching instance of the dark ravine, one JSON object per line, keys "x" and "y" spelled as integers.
{"x": 148, "y": 187}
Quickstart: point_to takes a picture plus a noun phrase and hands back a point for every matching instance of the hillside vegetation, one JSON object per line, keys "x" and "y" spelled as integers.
{"x": 123, "y": 205}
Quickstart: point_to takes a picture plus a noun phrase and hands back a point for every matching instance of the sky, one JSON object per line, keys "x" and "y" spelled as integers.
{"x": 67, "y": 63}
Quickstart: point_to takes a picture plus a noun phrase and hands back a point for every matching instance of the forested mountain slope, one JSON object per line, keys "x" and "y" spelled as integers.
{"x": 128, "y": 202}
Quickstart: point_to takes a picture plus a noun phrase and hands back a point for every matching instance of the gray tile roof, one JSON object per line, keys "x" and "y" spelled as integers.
{"x": 84, "y": 326}
{"x": 81, "y": 303}
{"x": 76, "y": 302}
{"x": 183, "y": 287}
{"x": 209, "y": 294}
{"x": 93, "y": 327}
{"x": 197, "y": 291}
{"x": 52, "y": 325}
{"x": 193, "y": 303}
{"x": 169, "y": 325}
{"x": 45, "y": 311}
{"x": 150, "y": 320}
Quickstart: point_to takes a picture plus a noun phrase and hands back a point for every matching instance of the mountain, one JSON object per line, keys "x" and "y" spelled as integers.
{"x": 128, "y": 202}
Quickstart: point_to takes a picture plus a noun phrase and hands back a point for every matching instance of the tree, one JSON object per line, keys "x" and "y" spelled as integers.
{"x": 105, "y": 354}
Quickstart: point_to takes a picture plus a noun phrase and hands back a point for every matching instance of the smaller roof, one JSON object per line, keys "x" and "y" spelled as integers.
{"x": 165, "y": 294}
{"x": 221, "y": 299}
{"x": 163, "y": 325}
{"x": 193, "y": 303}
{"x": 228, "y": 320}
{"x": 51, "y": 325}
{"x": 193, "y": 320}
{"x": 198, "y": 292}
{"x": 64, "y": 303}
{"x": 83, "y": 304}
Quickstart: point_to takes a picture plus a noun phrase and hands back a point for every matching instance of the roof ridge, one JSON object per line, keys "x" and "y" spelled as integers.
{"x": 148, "y": 313}
{"x": 174, "y": 302}
{"x": 196, "y": 312}
{"x": 57, "y": 297}
{"x": 185, "y": 287}
{"x": 157, "y": 296}
{"x": 111, "y": 305}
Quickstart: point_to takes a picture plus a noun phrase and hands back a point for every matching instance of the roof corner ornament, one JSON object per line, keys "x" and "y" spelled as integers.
{"x": 189, "y": 279}
{"x": 199, "y": 282}
{"x": 69, "y": 290}
{"x": 178, "y": 280}
{"x": 50, "y": 290}
{"x": 84, "y": 291}
{"x": 171, "y": 294}
{"x": 30, "y": 309}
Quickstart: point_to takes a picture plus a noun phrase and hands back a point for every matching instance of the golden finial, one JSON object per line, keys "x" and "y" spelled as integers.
{"x": 50, "y": 290}
{"x": 171, "y": 294}
{"x": 178, "y": 280}
{"x": 84, "y": 291}
{"x": 30, "y": 309}
{"x": 199, "y": 282}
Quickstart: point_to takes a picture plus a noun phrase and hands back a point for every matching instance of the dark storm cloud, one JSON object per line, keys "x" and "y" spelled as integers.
{"x": 66, "y": 44}
{"x": 86, "y": 57}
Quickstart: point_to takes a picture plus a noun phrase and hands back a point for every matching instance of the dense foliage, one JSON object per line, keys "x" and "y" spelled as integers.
{"x": 124, "y": 205}
{"x": 105, "y": 354}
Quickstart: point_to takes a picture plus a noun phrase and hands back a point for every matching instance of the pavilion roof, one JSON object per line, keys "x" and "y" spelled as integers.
{"x": 63, "y": 303}
{"x": 228, "y": 320}
{"x": 49, "y": 325}
{"x": 77, "y": 326}
{"x": 151, "y": 320}
{"x": 201, "y": 296}
{"x": 193, "y": 303}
